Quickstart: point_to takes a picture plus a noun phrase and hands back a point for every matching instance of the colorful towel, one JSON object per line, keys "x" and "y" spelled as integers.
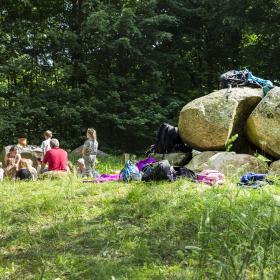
{"x": 211, "y": 177}
{"x": 104, "y": 178}
{"x": 142, "y": 163}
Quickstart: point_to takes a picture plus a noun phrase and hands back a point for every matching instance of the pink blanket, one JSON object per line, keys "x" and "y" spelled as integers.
{"x": 211, "y": 177}
{"x": 107, "y": 178}
{"x": 104, "y": 178}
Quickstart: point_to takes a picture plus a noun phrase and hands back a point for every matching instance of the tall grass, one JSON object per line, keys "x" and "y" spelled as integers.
{"x": 181, "y": 230}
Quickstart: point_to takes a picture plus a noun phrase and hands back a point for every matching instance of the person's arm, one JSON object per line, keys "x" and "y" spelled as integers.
{"x": 6, "y": 161}
{"x": 43, "y": 166}
{"x": 43, "y": 147}
{"x": 17, "y": 160}
{"x": 83, "y": 151}
{"x": 95, "y": 147}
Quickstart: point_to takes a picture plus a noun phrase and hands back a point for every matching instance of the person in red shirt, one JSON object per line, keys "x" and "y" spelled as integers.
{"x": 56, "y": 158}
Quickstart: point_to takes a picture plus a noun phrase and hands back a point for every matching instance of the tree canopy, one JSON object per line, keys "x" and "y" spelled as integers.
{"x": 123, "y": 67}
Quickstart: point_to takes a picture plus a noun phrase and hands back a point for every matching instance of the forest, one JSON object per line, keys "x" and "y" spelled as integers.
{"x": 123, "y": 66}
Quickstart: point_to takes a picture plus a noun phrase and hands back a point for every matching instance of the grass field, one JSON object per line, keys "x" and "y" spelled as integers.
{"x": 181, "y": 230}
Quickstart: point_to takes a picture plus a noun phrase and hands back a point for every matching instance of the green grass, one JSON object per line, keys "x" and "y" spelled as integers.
{"x": 69, "y": 230}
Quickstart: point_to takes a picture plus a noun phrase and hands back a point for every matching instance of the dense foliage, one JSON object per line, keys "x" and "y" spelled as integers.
{"x": 122, "y": 66}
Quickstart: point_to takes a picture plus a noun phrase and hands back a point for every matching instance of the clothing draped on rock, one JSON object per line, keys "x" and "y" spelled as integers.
{"x": 234, "y": 78}
{"x": 265, "y": 84}
{"x": 168, "y": 140}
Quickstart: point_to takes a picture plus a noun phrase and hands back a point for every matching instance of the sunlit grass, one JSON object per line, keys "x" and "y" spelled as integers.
{"x": 181, "y": 230}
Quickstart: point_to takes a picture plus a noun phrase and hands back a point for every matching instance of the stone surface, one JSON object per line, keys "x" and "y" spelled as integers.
{"x": 274, "y": 168}
{"x": 78, "y": 153}
{"x": 176, "y": 159}
{"x": 29, "y": 152}
{"x": 263, "y": 125}
{"x": 230, "y": 163}
{"x": 208, "y": 122}
{"x": 198, "y": 160}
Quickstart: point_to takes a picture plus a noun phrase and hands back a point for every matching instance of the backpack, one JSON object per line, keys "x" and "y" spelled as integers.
{"x": 252, "y": 177}
{"x": 232, "y": 78}
{"x": 252, "y": 180}
{"x": 167, "y": 141}
{"x": 144, "y": 162}
{"x": 211, "y": 177}
{"x": 183, "y": 172}
{"x": 158, "y": 171}
{"x": 130, "y": 172}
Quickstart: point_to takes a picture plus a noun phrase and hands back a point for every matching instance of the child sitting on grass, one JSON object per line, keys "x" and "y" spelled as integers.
{"x": 23, "y": 172}
{"x": 81, "y": 167}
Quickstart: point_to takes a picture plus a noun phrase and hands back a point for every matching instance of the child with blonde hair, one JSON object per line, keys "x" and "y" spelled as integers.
{"x": 23, "y": 172}
{"x": 89, "y": 153}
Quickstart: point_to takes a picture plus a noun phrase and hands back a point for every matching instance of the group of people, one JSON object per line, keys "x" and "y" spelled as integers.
{"x": 54, "y": 160}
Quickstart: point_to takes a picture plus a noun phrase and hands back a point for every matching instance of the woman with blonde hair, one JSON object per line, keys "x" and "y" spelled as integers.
{"x": 89, "y": 153}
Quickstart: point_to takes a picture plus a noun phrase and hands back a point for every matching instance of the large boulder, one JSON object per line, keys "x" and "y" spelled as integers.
{"x": 176, "y": 159}
{"x": 229, "y": 163}
{"x": 263, "y": 125}
{"x": 274, "y": 168}
{"x": 32, "y": 152}
{"x": 198, "y": 160}
{"x": 78, "y": 152}
{"x": 208, "y": 122}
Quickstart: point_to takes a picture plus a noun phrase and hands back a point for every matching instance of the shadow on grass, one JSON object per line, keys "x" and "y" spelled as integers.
{"x": 143, "y": 235}
{"x": 118, "y": 242}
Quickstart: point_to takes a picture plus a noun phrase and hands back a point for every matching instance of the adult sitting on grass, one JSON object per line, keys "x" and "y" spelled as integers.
{"x": 56, "y": 158}
{"x": 11, "y": 162}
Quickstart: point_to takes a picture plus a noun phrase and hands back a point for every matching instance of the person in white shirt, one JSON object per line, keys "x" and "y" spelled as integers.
{"x": 45, "y": 146}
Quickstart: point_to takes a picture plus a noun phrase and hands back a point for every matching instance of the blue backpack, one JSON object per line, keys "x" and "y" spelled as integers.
{"x": 130, "y": 172}
{"x": 252, "y": 177}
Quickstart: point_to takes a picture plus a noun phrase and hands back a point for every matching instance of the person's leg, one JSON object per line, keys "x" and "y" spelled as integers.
{"x": 88, "y": 167}
{"x": 94, "y": 173}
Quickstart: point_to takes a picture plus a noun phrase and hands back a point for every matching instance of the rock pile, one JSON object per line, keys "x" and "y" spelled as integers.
{"x": 208, "y": 123}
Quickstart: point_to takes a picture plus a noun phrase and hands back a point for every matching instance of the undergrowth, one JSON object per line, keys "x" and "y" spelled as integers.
{"x": 181, "y": 230}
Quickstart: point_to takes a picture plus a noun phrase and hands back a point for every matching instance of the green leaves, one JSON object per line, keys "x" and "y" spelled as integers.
{"x": 123, "y": 67}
